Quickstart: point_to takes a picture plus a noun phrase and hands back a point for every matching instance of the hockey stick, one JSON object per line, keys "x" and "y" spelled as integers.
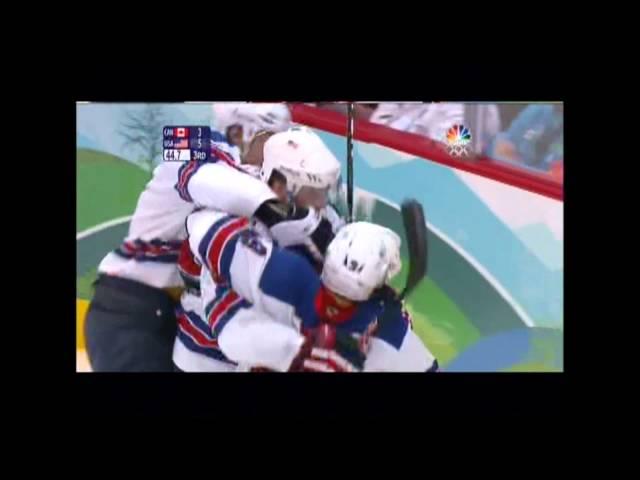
{"x": 415, "y": 228}
{"x": 350, "y": 162}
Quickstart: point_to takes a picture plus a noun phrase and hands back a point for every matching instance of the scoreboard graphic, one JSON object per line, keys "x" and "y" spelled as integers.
{"x": 183, "y": 144}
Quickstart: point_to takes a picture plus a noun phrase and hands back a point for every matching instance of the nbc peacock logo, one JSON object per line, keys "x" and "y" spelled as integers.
{"x": 457, "y": 139}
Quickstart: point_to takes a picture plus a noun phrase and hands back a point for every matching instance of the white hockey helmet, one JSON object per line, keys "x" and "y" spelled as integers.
{"x": 362, "y": 257}
{"x": 252, "y": 117}
{"x": 264, "y": 117}
{"x": 302, "y": 157}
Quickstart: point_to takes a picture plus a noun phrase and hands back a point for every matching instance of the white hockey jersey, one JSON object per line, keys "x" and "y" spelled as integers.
{"x": 258, "y": 298}
{"x": 195, "y": 350}
{"x": 149, "y": 253}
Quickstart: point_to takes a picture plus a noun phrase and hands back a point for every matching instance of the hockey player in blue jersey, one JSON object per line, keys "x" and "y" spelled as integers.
{"x": 267, "y": 307}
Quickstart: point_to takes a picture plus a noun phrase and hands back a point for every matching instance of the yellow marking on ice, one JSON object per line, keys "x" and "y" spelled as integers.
{"x": 81, "y": 312}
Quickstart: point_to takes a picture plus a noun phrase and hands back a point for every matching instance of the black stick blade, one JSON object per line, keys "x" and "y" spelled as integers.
{"x": 415, "y": 227}
{"x": 350, "y": 126}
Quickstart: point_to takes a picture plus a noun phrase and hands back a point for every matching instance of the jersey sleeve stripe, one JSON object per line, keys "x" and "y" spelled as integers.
{"x": 187, "y": 262}
{"x": 226, "y": 316}
{"x": 221, "y": 308}
{"x": 188, "y": 328}
{"x": 219, "y": 295}
{"x": 219, "y": 154}
{"x": 205, "y": 243}
{"x": 221, "y": 245}
{"x": 195, "y": 335}
{"x": 150, "y": 251}
{"x": 184, "y": 175}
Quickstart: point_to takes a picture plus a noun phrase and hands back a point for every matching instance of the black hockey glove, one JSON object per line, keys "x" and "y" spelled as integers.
{"x": 290, "y": 226}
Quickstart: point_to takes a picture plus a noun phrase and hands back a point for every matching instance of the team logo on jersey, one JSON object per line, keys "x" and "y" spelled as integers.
{"x": 457, "y": 139}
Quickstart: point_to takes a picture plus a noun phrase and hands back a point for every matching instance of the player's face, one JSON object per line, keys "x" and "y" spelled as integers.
{"x": 312, "y": 197}
{"x": 234, "y": 134}
{"x": 278, "y": 183}
{"x": 280, "y": 189}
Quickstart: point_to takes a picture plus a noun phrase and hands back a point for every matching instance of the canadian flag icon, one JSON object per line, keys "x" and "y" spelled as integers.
{"x": 181, "y": 132}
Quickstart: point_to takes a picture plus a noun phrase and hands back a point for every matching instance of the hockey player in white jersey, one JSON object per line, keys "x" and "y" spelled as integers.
{"x": 267, "y": 307}
{"x": 130, "y": 324}
{"x": 302, "y": 159}
{"x": 300, "y": 169}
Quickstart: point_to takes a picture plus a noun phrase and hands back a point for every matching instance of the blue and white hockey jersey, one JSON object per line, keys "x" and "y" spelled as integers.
{"x": 259, "y": 297}
{"x": 195, "y": 350}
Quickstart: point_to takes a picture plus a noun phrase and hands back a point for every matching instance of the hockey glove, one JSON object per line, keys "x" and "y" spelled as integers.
{"x": 290, "y": 226}
{"x": 327, "y": 350}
